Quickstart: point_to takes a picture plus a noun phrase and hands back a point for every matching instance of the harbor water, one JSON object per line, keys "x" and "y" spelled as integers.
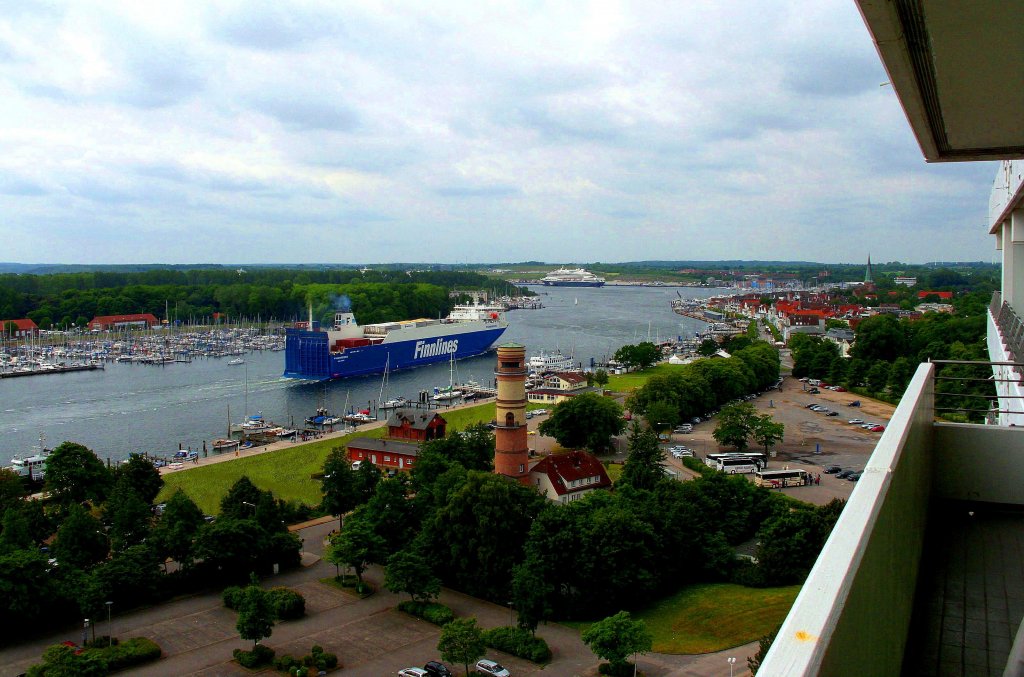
{"x": 127, "y": 407}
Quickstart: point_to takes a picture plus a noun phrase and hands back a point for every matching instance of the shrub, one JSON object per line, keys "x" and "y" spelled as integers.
{"x": 697, "y": 465}
{"x": 259, "y": 656}
{"x": 624, "y": 670}
{"x": 433, "y": 612}
{"x": 232, "y": 597}
{"x": 285, "y": 663}
{"x": 131, "y": 652}
{"x": 288, "y": 604}
{"x": 518, "y": 642}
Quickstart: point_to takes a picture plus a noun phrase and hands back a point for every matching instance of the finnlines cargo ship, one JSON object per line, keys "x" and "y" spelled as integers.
{"x": 350, "y": 350}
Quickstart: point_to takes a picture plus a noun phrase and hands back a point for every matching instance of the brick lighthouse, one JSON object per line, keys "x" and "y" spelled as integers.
{"x": 511, "y": 453}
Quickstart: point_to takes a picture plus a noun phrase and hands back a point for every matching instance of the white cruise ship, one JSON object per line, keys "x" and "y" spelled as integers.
{"x": 574, "y": 277}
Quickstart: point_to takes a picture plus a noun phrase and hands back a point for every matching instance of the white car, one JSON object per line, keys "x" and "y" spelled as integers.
{"x": 413, "y": 672}
{"x": 856, "y": 421}
{"x": 492, "y": 668}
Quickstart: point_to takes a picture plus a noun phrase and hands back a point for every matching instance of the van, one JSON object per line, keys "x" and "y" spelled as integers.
{"x": 356, "y": 464}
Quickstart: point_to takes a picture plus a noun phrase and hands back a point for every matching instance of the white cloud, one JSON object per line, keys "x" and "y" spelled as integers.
{"x": 464, "y": 131}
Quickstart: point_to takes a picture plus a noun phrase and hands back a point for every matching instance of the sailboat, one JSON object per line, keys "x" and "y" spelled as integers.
{"x": 227, "y": 443}
{"x": 393, "y": 403}
{"x": 449, "y": 393}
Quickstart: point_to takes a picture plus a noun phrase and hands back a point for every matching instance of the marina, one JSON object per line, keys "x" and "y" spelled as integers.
{"x": 133, "y": 407}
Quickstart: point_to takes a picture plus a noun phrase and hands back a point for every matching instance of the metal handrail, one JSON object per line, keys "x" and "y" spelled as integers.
{"x": 1010, "y": 325}
{"x": 994, "y": 397}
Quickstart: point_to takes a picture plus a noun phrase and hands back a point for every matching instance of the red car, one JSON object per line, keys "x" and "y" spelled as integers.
{"x": 878, "y": 429}
{"x": 838, "y": 389}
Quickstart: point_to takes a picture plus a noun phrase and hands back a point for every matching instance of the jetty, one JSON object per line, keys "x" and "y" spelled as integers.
{"x": 49, "y": 369}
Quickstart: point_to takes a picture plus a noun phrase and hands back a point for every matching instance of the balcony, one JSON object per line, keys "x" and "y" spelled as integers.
{"x": 924, "y": 571}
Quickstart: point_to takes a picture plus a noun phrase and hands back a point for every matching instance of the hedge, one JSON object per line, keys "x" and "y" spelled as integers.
{"x": 260, "y": 655}
{"x": 131, "y": 652}
{"x": 518, "y": 642}
{"x": 316, "y": 660}
{"x": 288, "y": 604}
{"x": 434, "y": 612}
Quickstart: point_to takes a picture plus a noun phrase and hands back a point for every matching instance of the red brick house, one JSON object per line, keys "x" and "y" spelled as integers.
{"x": 944, "y": 295}
{"x": 417, "y": 425}
{"x": 568, "y": 477}
{"x": 21, "y": 328}
{"x": 136, "y": 321}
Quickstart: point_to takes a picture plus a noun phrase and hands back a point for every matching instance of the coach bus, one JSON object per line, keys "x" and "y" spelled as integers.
{"x": 757, "y": 458}
{"x": 782, "y": 478}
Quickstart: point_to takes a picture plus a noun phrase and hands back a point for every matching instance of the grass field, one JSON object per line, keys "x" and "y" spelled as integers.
{"x": 623, "y": 383}
{"x": 288, "y": 472}
{"x": 713, "y": 617}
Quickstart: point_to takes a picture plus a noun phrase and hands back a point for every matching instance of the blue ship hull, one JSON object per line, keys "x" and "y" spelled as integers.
{"x": 307, "y": 354}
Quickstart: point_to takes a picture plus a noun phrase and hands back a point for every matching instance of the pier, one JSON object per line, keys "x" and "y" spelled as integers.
{"x": 53, "y": 369}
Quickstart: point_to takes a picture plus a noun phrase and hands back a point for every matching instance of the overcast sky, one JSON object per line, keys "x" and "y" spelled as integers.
{"x": 442, "y": 131}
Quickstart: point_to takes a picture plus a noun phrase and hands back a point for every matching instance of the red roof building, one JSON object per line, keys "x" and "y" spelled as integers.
{"x": 416, "y": 425}
{"x": 385, "y": 454}
{"x": 20, "y": 329}
{"x": 568, "y": 477}
{"x": 944, "y": 295}
{"x": 138, "y": 320}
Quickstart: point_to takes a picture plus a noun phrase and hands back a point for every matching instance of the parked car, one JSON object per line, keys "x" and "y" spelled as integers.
{"x": 413, "y": 672}
{"x": 437, "y": 669}
{"x": 813, "y": 391}
{"x": 878, "y": 429}
{"x": 868, "y": 426}
{"x": 695, "y": 420}
{"x": 856, "y": 421}
{"x": 839, "y": 389}
{"x": 843, "y": 474}
{"x": 833, "y": 469}
{"x": 491, "y": 668}
{"x": 854, "y": 477}
{"x": 855, "y": 403}
{"x": 831, "y": 413}
{"x": 811, "y": 405}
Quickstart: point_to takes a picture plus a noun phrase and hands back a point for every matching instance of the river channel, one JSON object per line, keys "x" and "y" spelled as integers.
{"x": 128, "y": 408}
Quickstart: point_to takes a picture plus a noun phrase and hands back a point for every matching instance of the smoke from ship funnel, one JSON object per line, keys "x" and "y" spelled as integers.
{"x": 341, "y": 303}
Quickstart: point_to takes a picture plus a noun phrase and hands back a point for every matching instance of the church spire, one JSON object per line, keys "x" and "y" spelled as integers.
{"x": 868, "y": 279}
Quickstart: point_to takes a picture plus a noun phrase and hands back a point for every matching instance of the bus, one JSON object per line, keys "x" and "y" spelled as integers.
{"x": 738, "y": 465}
{"x": 776, "y": 479}
{"x": 758, "y": 458}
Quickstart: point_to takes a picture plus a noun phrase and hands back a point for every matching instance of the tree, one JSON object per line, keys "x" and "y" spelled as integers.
{"x": 26, "y": 586}
{"x": 587, "y": 420}
{"x": 81, "y": 541}
{"x": 462, "y": 642}
{"x": 662, "y": 415}
{"x": 640, "y": 356}
{"x": 233, "y": 547}
{"x": 241, "y": 499}
{"x": 12, "y": 489}
{"x": 366, "y": 479}
{"x": 128, "y": 516}
{"x": 175, "y": 532}
{"x": 74, "y": 474}
{"x": 15, "y": 534}
{"x": 532, "y": 594}
{"x": 338, "y": 483}
{"x": 644, "y": 465}
{"x": 142, "y": 476}
{"x": 735, "y": 424}
{"x": 131, "y": 577}
{"x": 356, "y": 545}
{"x": 601, "y": 378}
{"x": 616, "y": 638}
{"x": 767, "y": 432}
{"x": 880, "y": 337}
{"x": 763, "y": 644}
{"x": 707, "y": 348}
{"x": 255, "y": 613}
{"x": 409, "y": 571}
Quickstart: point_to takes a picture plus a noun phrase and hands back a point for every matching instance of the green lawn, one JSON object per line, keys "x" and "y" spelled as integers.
{"x": 623, "y": 383}
{"x": 713, "y": 617}
{"x": 287, "y": 472}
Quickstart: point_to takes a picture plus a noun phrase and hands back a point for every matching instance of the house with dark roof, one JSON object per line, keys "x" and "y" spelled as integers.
{"x": 568, "y": 476}
{"x": 18, "y": 328}
{"x": 416, "y": 424}
{"x": 385, "y": 454}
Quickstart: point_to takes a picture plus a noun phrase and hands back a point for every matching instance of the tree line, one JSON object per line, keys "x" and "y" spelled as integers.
{"x": 887, "y": 350}
{"x": 62, "y": 300}
{"x": 96, "y": 538}
{"x": 453, "y": 521}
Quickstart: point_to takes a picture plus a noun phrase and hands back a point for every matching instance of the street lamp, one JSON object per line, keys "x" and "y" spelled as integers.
{"x": 510, "y": 623}
{"x": 110, "y": 630}
{"x": 732, "y": 661}
{"x": 85, "y": 632}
